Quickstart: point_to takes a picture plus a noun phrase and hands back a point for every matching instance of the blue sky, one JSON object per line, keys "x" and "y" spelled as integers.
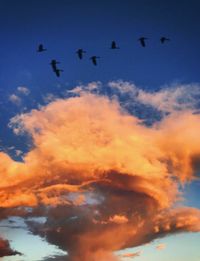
{"x": 63, "y": 26}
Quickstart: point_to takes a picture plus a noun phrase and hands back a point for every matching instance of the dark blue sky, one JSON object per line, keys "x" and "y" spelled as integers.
{"x": 64, "y": 26}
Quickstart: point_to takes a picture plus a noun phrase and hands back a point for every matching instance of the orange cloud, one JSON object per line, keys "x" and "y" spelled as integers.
{"x": 161, "y": 246}
{"x": 118, "y": 219}
{"x": 90, "y": 145}
{"x": 131, "y": 255}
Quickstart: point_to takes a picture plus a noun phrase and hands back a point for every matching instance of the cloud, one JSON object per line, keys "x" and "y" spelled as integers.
{"x": 124, "y": 87}
{"x": 169, "y": 99}
{"x": 57, "y": 258}
{"x": 89, "y": 88}
{"x": 49, "y": 97}
{"x": 5, "y": 249}
{"x": 118, "y": 219}
{"x": 176, "y": 97}
{"x": 23, "y": 90}
{"x": 18, "y": 152}
{"x": 15, "y": 99}
{"x": 89, "y": 145}
{"x": 131, "y": 255}
{"x": 160, "y": 246}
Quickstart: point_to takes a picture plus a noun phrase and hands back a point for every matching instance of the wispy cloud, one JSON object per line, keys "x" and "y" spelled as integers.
{"x": 15, "y": 99}
{"x": 168, "y": 99}
{"x": 131, "y": 255}
{"x": 173, "y": 98}
{"x": 161, "y": 246}
{"x": 91, "y": 87}
{"x": 23, "y": 90}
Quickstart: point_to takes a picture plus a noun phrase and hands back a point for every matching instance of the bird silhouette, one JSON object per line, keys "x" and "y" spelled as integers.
{"x": 41, "y": 48}
{"x": 94, "y": 59}
{"x": 164, "y": 39}
{"x": 114, "y": 45}
{"x": 80, "y": 53}
{"x": 53, "y": 64}
{"x": 142, "y": 41}
{"x": 57, "y": 72}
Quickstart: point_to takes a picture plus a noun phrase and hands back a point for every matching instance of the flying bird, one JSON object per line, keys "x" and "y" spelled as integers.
{"x": 94, "y": 59}
{"x": 41, "y": 48}
{"x": 142, "y": 41}
{"x": 80, "y": 53}
{"x": 53, "y": 64}
{"x": 114, "y": 45}
{"x": 164, "y": 39}
{"x": 57, "y": 72}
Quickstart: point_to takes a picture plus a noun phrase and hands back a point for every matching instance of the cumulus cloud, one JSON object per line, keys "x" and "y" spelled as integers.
{"x": 89, "y": 145}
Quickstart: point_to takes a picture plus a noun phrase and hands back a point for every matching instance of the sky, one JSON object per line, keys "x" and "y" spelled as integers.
{"x": 101, "y": 163}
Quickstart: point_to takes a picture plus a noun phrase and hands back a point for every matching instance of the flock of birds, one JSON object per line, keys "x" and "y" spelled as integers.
{"x": 80, "y": 52}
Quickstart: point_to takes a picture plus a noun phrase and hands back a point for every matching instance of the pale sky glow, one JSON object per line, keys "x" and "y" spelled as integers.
{"x": 180, "y": 247}
{"x": 33, "y": 247}
{"x": 183, "y": 247}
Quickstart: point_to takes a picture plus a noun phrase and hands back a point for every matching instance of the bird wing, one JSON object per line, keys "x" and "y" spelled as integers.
{"x": 113, "y": 46}
{"x": 143, "y": 42}
{"x": 57, "y": 72}
{"x": 80, "y": 53}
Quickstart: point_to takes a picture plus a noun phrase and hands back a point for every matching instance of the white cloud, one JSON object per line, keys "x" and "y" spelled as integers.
{"x": 123, "y": 87}
{"x": 24, "y": 90}
{"x": 15, "y": 99}
{"x": 18, "y": 152}
{"x": 49, "y": 97}
{"x": 90, "y": 87}
{"x": 169, "y": 99}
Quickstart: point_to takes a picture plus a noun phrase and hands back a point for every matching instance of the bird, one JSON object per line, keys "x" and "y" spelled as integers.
{"x": 114, "y": 45}
{"x": 164, "y": 39}
{"x": 142, "y": 41}
{"x": 53, "y": 64}
{"x": 57, "y": 72}
{"x": 94, "y": 59}
{"x": 80, "y": 53}
{"x": 41, "y": 48}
